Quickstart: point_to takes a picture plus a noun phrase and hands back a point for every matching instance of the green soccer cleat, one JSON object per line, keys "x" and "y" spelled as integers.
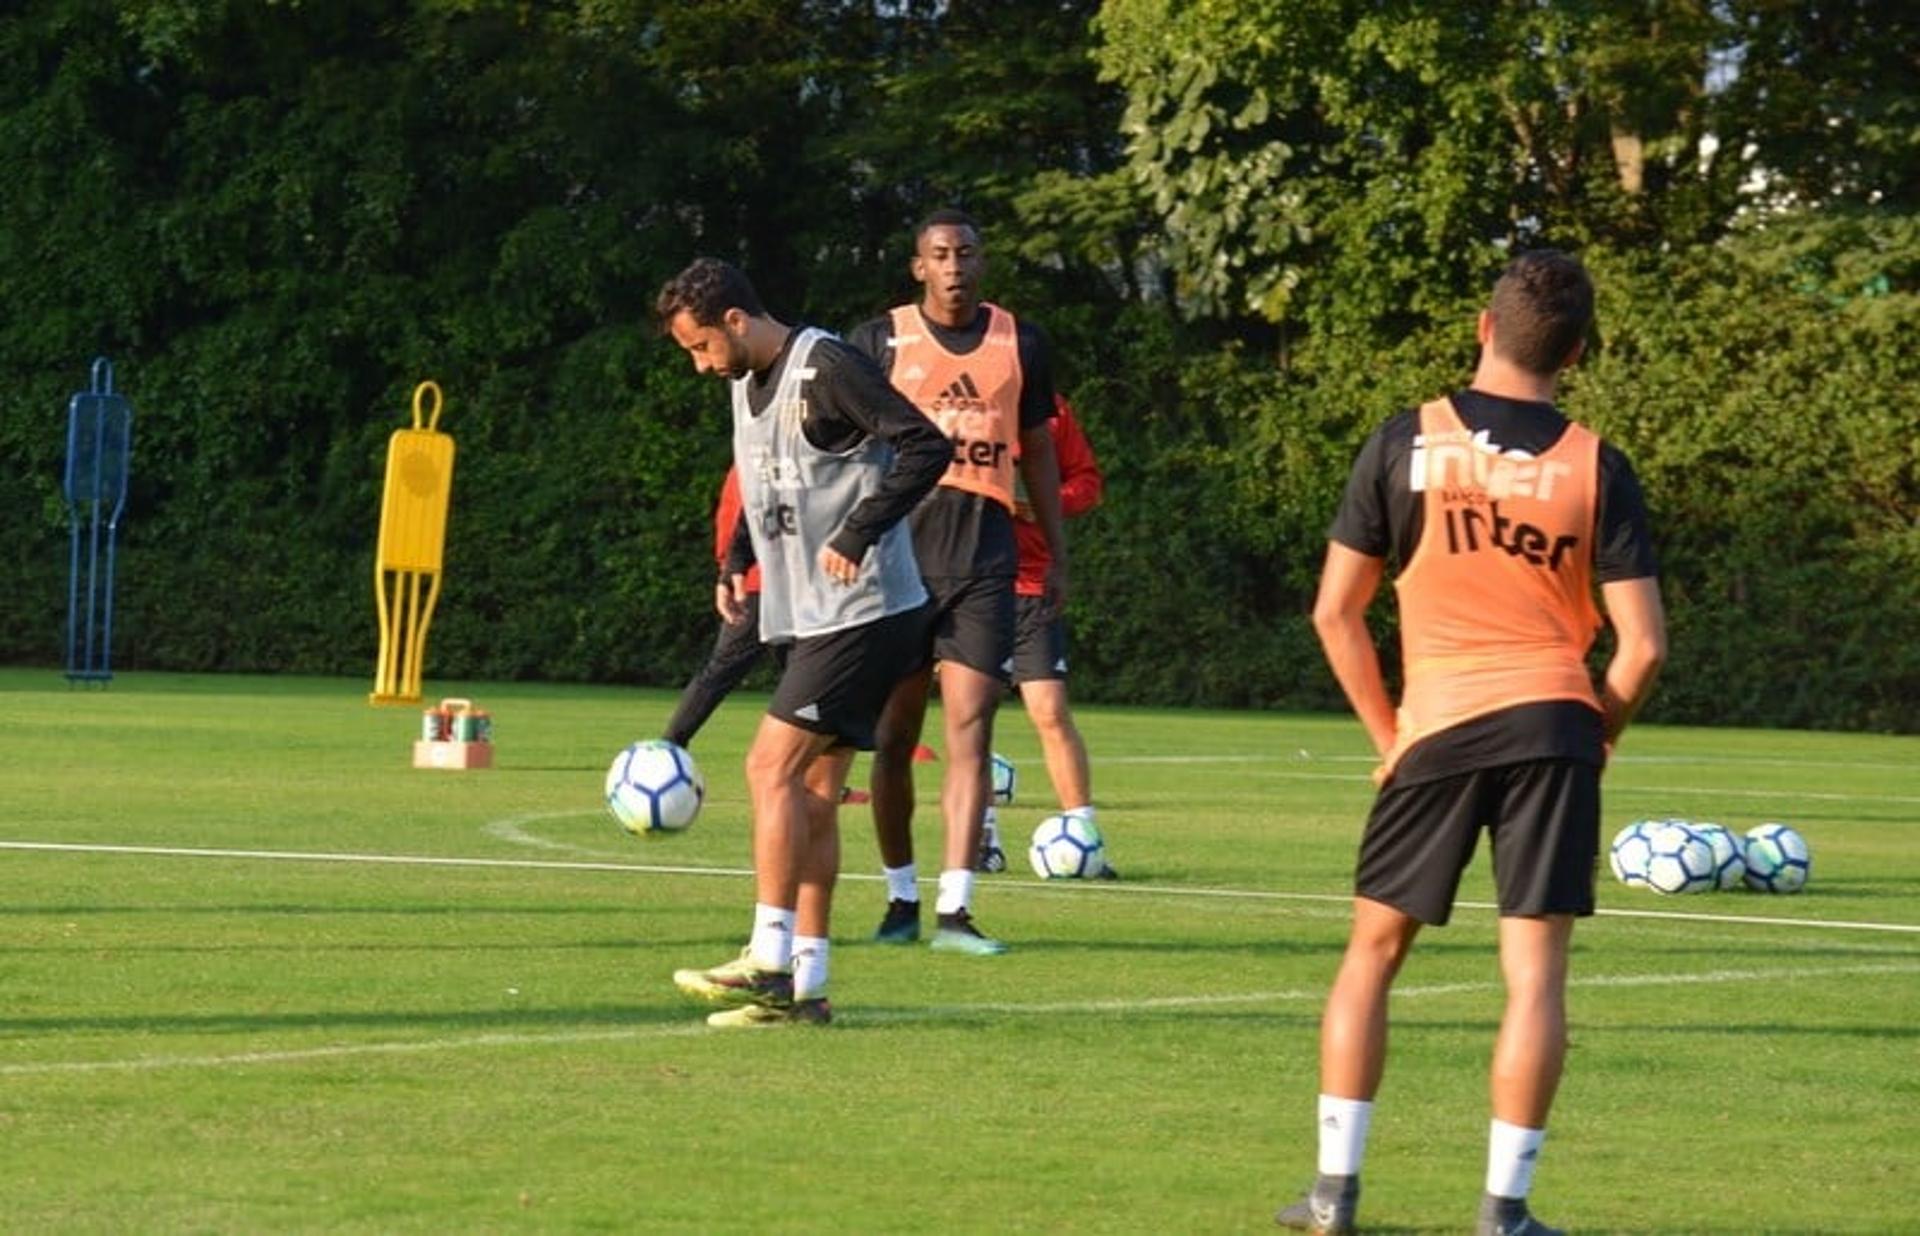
{"x": 814, "y": 1011}
{"x": 740, "y": 981}
{"x": 1326, "y": 1209}
{"x": 901, "y": 924}
{"x": 1508, "y": 1216}
{"x": 957, "y": 934}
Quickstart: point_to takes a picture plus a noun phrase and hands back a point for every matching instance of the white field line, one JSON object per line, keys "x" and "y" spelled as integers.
{"x": 509, "y": 829}
{"x": 922, "y": 1016}
{"x": 1072, "y": 888}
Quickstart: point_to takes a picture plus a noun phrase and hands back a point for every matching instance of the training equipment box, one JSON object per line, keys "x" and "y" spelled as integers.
{"x": 452, "y": 754}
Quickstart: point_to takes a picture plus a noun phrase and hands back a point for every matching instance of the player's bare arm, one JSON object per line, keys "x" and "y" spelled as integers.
{"x": 1348, "y": 583}
{"x": 1640, "y": 629}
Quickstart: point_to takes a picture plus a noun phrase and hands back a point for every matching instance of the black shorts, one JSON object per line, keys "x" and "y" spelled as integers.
{"x": 1039, "y": 642}
{"x": 1543, "y": 817}
{"x": 973, "y": 623}
{"x": 836, "y": 684}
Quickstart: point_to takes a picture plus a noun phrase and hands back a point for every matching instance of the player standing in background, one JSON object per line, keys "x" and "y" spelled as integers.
{"x": 737, "y": 647}
{"x": 987, "y": 382}
{"x": 1040, "y": 637}
{"x": 830, "y": 459}
{"x": 1502, "y": 516}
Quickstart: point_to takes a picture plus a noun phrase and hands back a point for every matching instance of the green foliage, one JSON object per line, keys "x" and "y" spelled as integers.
{"x": 1356, "y": 165}
{"x": 1759, "y": 385}
{"x": 1252, "y": 230}
{"x": 1765, "y": 394}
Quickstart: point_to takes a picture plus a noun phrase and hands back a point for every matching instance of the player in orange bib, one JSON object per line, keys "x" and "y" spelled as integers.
{"x": 1502, "y": 517}
{"x": 985, "y": 380}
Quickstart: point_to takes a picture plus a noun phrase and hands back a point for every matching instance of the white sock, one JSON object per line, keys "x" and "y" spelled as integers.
{"x": 990, "y": 825}
{"x": 1343, "y": 1134}
{"x": 903, "y": 883}
{"x": 956, "y": 891}
{"x": 1512, "y": 1152}
{"x": 809, "y": 967}
{"x": 772, "y": 942}
{"x": 1084, "y": 811}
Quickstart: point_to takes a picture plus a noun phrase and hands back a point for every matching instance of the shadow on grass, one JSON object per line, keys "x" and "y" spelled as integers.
{"x": 871, "y": 1017}
{"x": 1719, "y": 956}
{"x": 97, "y": 951}
{"x": 1585, "y": 1030}
{"x": 1847, "y": 890}
{"x": 1766, "y": 1030}
{"x": 300, "y": 910}
{"x": 499, "y": 1020}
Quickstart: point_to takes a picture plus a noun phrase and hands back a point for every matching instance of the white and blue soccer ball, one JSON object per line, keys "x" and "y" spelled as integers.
{"x": 1003, "y": 776}
{"x": 654, "y": 787}
{"x": 1778, "y": 859}
{"x": 1067, "y": 847}
{"x": 1679, "y": 860}
{"x": 1631, "y": 851}
{"x": 1729, "y": 854}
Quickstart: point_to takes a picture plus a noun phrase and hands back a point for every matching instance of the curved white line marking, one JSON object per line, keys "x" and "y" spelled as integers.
{"x": 509, "y": 828}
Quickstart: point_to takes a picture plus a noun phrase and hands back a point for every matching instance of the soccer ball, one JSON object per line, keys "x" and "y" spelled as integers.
{"x": 1003, "y": 775}
{"x": 1630, "y": 851}
{"x": 654, "y": 787}
{"x": 1679, "y": 861}
{"x": 1067, "y": 847}
{"x": 1778, "y": 860}
{"x": 1729, "y": 855}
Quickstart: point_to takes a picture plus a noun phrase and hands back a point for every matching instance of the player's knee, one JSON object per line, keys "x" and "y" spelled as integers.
{"x": 969, "y": 721}
{"x": 892, "y": 749}
{"x": 1054, "y": 723}
{"x": 1383, "y": 956}
{"x": 767, "y": 770}
{"x": 1382, "y": 950}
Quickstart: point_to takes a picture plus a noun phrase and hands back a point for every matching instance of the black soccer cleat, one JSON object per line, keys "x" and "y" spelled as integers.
{"x": 1508, "y": 1216}
{"x": 901, "y": 925}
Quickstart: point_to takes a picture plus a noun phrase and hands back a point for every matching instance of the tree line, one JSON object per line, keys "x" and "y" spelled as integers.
{"x": 1252, "y": 228}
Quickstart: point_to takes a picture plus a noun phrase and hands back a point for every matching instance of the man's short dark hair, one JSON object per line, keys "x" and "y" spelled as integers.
{"x": 946, "y": 216}
{"x": 1542, "y": 307}
{"x": 706, "y": 289}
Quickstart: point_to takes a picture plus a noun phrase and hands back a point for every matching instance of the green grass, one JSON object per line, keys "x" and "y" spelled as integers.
{"x": 239, "y": 1040}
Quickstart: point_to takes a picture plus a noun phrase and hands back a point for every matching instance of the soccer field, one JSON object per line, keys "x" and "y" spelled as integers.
{"x": 261, "y": 975}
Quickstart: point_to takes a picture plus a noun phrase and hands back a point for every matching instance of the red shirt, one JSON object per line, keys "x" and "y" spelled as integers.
{"x": 726, "y": 517}
{"x": 1080, "y": 486}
